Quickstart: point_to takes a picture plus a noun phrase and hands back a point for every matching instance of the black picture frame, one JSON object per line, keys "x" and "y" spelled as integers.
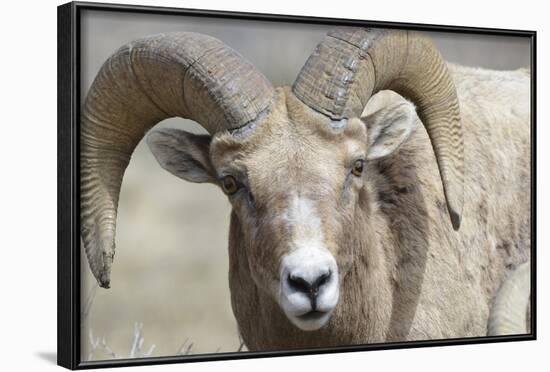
{"x": 68, "y": 320}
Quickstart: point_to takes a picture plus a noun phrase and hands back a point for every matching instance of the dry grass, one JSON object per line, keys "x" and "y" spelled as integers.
{"x": 136, "y": 348}
{"x": 99, "y": 349}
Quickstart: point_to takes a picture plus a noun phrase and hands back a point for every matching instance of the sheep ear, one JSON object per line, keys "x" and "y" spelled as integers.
{"x": 183, "y": 154}
{"x": 388, "y": 128}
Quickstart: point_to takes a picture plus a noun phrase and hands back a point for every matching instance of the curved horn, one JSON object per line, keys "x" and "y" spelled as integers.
{"x": 508, "y": 315}
{"x": 179, "y": 74}
{"x": 350, "y": 65}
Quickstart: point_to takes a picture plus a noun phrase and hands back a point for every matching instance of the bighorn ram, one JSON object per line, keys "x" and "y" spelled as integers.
{"x": 344, "y": 229}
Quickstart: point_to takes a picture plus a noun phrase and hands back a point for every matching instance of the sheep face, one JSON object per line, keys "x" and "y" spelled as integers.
{"x": 298, "y": 184}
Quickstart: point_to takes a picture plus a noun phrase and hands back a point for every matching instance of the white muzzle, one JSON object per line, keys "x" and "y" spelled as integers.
{"x": 309, "y": 287}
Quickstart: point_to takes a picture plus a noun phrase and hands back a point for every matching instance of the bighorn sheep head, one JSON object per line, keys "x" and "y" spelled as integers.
{"x": 291, "y": 160}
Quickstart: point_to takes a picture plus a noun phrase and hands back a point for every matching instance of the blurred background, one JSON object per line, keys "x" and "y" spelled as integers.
{"x": 171, "y": 268}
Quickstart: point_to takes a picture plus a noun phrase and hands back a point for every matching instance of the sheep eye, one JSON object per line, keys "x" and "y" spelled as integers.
{"x": 358, "y": 166}
{"x": 229, "y": 185}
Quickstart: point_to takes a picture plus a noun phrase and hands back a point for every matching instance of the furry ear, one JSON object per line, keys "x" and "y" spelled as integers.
{"x": 183, "y": 154}
{"x": 388, "y": 127}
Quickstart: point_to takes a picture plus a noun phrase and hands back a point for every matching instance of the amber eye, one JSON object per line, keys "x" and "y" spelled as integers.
{"x": 358, "y": 168}
{"x": 229, "y": 185}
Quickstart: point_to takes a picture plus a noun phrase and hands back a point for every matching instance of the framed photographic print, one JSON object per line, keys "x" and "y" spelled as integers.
{"x": 236, "y": 185}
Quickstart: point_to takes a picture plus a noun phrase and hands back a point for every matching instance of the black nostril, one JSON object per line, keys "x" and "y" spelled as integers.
{"x": 322, "y": 280}
{"x": 311, "y": 290}
{"x": 299, "y": 284}
{"x": 302, "y": 285}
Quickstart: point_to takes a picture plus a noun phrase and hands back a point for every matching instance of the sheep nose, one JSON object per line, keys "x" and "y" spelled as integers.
{"x": 309, "y": 287}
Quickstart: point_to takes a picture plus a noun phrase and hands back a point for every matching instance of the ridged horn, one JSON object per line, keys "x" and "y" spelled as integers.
{"x": 148, "y": 80}
{"x": 350, "y": 65}
{"x": 508, "y": 315}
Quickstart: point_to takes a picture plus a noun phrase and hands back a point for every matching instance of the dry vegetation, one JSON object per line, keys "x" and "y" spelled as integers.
{"x": 98, "y": 348}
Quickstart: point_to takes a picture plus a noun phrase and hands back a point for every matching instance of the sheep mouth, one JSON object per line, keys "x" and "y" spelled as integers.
{"x": 312, "y": 315}
{"x": 311, "y": 320}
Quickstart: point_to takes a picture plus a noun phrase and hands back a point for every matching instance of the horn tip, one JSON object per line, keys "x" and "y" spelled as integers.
{"x": 104, "y": 281}
{"x": 100, "y": 260}
{"x": 453, "y": 188}
{"x": 105, "y": 285}
{"x": 104, "y": 274}
{"x": 456, "y": 218}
